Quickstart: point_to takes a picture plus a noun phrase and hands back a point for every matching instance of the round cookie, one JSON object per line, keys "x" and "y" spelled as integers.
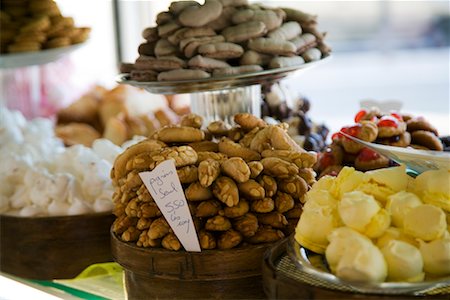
{"x": 401, "y": 140}
{"x": 426, "y": 139}
{"x": 368, "y": 159}
{"x": 389, "y": 126}
{"x": 420, "y": 123}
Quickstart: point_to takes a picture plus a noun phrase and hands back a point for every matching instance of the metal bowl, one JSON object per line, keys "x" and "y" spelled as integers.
{"x": 315, "y": 265}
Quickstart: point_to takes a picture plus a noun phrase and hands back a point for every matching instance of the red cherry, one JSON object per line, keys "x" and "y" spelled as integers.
{"x": 367, "y": 154}
{"x": 354, "y": 130}
{"x": 336, "y": 136}
{"x": 360, "y": 115}
{"x": 397, "y": 116}
{"x": 388, "y": 121}
{"x": 327, "y": 159}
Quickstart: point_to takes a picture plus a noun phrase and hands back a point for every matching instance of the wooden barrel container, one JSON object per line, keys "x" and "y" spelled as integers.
{"x": 281, "y": 280}
{"x": 53, "y": 247}
{"x": 219, "y": 274}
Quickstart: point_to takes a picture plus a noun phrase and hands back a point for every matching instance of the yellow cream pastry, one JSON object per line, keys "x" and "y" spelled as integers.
{"x": 425, "y": 222}
{"x": 436, "y": 256}
{"x": 318, "y": 219}
{"x": 347, "y": 180}
{"x": 394, "y": 233}
{"x": 324, "y": 183}
{"x": 341, "y": 239}
{"x": 357, "y": 259}
{"x": 362, "y": 212}
{"x": 382, "y": 183}
{"x": 404, "y": 261}
{"x": 399, "y": 204}
{"x": 434, "y": 188}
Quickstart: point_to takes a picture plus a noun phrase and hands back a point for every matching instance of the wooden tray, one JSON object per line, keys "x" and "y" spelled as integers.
{"x": 282, "y": 280}
{"x": 159, "y": 273}
{"x": 53, "y": 247}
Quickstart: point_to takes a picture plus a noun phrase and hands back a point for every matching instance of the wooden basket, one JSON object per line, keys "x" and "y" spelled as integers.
{"x": 53, "y": 247}
{"x": 279, "y": 285}
{"x": 159, "y": 273}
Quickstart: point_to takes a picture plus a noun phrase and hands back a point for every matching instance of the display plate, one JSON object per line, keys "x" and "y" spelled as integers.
{"x": 217, "y": 83}
{"x": 19, "y": 60}
{"x": 315, "y": 265}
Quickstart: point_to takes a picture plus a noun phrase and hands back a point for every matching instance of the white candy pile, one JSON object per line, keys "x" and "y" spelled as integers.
{"x": 41, "y": 177}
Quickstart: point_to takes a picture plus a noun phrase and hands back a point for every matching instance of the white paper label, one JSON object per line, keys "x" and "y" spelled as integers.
{"x": 165, "y": 187}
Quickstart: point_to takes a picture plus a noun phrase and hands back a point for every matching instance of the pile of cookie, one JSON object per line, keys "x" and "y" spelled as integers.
{"x": 243, "y": 184}
{"x": 224, "y": 38}
{"x": 108, "y": 113}
{"x": 394, "y": 129}
{"x": 28, "y": 26}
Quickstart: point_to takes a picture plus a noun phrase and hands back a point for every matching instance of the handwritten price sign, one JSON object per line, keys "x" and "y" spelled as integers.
{"x": 165, "y": 187}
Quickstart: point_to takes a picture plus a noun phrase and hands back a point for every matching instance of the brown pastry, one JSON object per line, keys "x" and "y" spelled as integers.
{"x": 426, "y": 139}
{"x": 368, "y": 159}
{"x": 77, "y": 133}
{"x": 420, "y": 123}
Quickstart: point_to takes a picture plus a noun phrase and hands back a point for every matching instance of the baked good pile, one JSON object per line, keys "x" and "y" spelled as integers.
{"x": 381, "y": 225}
{"x": 28, "y": 26}
{"x": 244, "y": 184}
{"x": 394, "y": 129}
{"x": 117, "y": 114}
{"x": 225, "y": 37}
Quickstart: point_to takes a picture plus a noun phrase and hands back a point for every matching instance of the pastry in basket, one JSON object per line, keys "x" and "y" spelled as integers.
{"x": 380, "y": 225}
{"x": 235, "y": 197}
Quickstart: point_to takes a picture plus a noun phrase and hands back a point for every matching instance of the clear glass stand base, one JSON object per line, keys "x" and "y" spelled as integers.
{"x": 224, "y": 104}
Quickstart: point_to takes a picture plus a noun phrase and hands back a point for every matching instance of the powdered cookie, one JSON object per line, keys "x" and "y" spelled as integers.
{"x": 164, "y": 48}
{"x": 269, "y": 17}
{"x": 221, "y": 50}
{"x": 168, "y": 28}
{"x": 237, "y": 70}
{"x": 206, "y": 63}
{"x": 283, "y": 62}
{"x": 189, "y": 46}
{"x": 177, "y": 7}
{"x": 272, "y": 46}
{"x": 224, "y": 20}
{"x": 304, "y": 42}
{"x": 244, "y": 31}
{"x": 183, "y": 74}
{"x": 150, "y": 34}
{"x": 287, "y": 31}
{"x": 147, "y": 48}
{"x": 184, "y": 33}
{"x": 251, "y": 57}
{"x": 312, "y": 54}
{"x": 197, "y": 16}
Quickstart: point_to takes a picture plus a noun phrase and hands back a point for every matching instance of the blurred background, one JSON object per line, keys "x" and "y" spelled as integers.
{"x": 382, "y": 50}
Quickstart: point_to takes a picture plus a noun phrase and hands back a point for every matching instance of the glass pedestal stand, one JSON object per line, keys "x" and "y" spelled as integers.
{"x": 220, "y": 98}
{"x": 224, "y": 104}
